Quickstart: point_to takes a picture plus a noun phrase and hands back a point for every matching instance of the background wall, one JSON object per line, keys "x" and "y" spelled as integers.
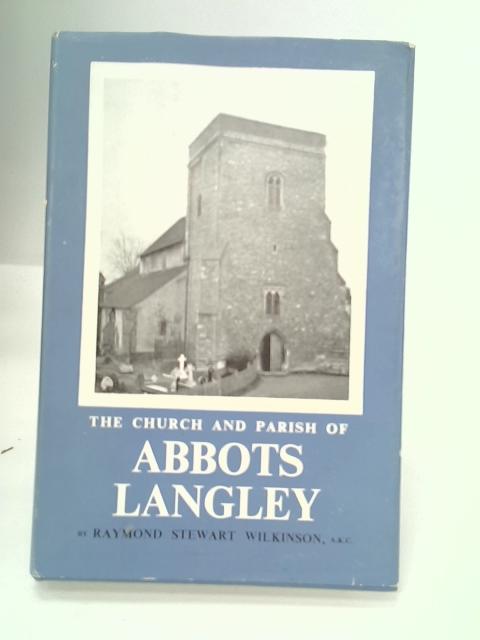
{"x": 439, "y": 559}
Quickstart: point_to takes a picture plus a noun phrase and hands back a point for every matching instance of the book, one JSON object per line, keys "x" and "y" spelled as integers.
{"x": 221, "y": 372}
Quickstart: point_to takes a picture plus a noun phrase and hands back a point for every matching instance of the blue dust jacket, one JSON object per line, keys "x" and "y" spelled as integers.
{"x": 173, "y": 463}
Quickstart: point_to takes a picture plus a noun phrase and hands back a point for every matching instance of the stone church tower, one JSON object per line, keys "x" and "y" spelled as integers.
{"x": 262, "y": 270}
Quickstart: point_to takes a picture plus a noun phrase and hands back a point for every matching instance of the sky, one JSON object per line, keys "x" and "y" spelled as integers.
{"x": 146, "y": 115}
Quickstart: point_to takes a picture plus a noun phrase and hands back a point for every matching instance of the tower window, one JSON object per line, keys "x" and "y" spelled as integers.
{"x": 276, "y": 303}
{"x": 272, "y": 303}
{"x": 163, "y": 327}
{"x": 268, "y": 303}
{"x": 199, "y": 205}
{"x": 274, "y": 191}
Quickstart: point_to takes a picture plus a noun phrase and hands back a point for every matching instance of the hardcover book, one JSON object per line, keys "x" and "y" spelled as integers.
{"x": 223, "y": 310}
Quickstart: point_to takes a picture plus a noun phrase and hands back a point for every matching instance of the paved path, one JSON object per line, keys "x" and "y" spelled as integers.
{"x": 301, "y": 385}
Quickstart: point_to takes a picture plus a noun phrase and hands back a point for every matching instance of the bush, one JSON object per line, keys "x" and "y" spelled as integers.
{"x": 238, "y": 360}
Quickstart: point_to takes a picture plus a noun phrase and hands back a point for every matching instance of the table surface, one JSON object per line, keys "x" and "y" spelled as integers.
{"x": 438, "y": 561}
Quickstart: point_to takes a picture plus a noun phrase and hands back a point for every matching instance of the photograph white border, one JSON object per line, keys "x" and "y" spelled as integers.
{"x": 360, "y": 184}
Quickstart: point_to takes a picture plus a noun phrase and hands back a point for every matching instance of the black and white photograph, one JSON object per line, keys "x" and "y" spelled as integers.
{"x": 226, "y": 239}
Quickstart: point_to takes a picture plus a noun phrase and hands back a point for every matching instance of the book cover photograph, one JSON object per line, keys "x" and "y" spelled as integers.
{"x": 222, "y": 338}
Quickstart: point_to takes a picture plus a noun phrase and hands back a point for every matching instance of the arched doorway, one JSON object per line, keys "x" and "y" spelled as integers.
{"x": 272, "y": 352}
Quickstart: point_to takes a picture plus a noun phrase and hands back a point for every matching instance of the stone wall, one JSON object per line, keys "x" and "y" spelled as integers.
{"x": 168, "y": 305}
{"x": 230, "y": 385}
{"x": 241, "y": 248}
{"x": 203, "y": 256}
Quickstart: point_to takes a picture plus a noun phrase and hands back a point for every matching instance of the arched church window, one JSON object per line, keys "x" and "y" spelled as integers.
{"x": 163, "y": 327}
{"x": 276, "y": 303}
{"x": 272, "y": 303}
{"x": 268, "y": 303}
{"x": 199, "y": 204}
{"x": 274, "y": 191}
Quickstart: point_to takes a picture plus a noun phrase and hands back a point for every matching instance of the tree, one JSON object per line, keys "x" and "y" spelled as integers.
{"x": 124, "y": 253}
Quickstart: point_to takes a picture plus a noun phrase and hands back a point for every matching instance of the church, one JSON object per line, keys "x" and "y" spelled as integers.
{"x": 251, "y": 270}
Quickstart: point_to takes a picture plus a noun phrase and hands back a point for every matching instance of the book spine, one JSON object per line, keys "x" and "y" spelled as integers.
{"x": 49, "y": 207}
{"x": 402, "y": 234}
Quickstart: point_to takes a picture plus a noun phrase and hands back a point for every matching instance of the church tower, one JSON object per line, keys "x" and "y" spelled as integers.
{"x": 262, "y": 270}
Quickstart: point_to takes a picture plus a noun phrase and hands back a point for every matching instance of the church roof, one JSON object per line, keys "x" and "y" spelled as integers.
{"x": 225, "y": 123}
{"x": 174, "y": 235}
{"x": 135, "y": 287}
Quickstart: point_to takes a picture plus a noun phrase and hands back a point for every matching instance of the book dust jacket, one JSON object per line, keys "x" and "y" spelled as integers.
{"x": 220, "y": 396}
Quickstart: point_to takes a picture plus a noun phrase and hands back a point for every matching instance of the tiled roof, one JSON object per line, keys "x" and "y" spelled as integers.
{"x": 133, "y": 288}
{"x": 172, "y": 236}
